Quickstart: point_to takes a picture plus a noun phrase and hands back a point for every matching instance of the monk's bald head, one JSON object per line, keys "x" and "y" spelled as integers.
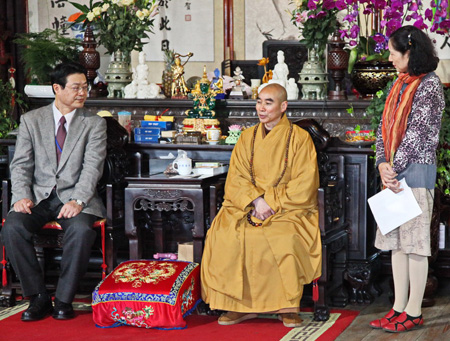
{"x": 276, "y": 90}
{"x": 271, "y": 104}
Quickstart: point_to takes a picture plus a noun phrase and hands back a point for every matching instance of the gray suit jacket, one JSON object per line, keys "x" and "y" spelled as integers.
{"x": 34, "y": 169}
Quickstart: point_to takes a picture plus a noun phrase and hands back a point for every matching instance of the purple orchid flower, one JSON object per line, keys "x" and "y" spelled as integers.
{"x": 312, "y": 4}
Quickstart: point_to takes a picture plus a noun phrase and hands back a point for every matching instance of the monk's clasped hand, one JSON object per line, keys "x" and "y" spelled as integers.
{"x": 262, "y": 210}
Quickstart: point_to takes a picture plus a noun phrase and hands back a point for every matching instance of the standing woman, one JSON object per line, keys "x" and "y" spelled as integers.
{"x": 407, "y": 139}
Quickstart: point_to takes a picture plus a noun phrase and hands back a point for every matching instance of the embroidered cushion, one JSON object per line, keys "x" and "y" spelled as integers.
{"x": 148, "y": 294}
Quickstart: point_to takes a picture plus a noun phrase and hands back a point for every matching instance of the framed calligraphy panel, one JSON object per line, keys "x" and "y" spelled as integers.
{"x": 184, "y": 26}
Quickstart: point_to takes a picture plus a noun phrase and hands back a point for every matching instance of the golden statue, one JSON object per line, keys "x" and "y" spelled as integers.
{"x": 267, "y": 74}
{"x": 179, "y": 88}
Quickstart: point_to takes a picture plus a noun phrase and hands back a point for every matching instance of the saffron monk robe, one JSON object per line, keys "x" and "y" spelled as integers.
{"x": 264, "y": 243}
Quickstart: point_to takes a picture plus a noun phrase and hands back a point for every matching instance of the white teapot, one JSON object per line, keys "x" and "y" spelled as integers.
{"x": 182, "y": 164}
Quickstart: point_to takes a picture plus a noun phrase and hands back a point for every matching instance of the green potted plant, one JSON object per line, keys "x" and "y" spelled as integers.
{"x": 9, "y": 98}
{"x": 41, "y": 52}
{"x": 7, "y": 93}
{"x": 443, "y": 152}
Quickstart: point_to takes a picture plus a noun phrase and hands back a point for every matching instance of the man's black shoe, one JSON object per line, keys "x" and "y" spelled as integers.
{"x": 40, "y": 306}
{"x": 63, "y": 311}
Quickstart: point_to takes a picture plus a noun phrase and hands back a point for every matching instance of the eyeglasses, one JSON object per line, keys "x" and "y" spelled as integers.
{"x": 77, "y": 89}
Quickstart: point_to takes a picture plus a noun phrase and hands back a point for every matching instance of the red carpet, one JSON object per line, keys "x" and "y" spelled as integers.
{"x": 199, "y": 328}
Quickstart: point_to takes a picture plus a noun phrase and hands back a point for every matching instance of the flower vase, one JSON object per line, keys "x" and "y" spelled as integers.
{"x": 233, "y": 136}
{"x": 118, "y": 75}
{"x": 370, "y": 77}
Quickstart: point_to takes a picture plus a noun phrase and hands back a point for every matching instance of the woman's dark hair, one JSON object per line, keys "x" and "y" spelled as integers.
{"x": 422, "y": 55}
{"x": 61, "y": 71}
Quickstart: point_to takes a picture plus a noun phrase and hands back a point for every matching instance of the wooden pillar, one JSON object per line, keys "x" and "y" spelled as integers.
{"x": 228, "y": 44}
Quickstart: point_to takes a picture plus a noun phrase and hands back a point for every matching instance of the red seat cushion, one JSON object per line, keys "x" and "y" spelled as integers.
{"x": 149, "y": 294}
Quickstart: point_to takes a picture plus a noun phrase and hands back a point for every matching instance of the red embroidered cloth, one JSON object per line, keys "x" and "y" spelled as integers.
{"x": 148, "y": 294}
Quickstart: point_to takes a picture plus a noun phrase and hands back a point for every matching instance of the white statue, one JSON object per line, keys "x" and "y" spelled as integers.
{"x": 238, "y": 77}
{"x": 139, "y": 87}
{"x": 148, "y": 91}
{"x": 130, "y": 90}
{"x": 292, "y": 90}
{"x": 280, "y": 71}
{"x": 141, "y": 72}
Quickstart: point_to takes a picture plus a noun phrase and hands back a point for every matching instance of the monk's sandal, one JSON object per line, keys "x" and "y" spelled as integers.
{"x": 290, "y": 320}
{"x": 233, "y": 317}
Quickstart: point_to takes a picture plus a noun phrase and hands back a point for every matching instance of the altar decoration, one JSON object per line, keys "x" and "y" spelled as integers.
{"x": 179, "y": 89}
{"x": 255, "y": 84}
{"x": 238, "y": 91}
{"x": 169, "y": 60}
{"x": 312, "y": 78}
{"x": 90, "y": 59}
{"x": 337, "y": 63}
{"x": 234, "y": 132}
{"x": 199, "y": 124}
{"x": 217, "y": 84}
{"x": 203, "y": 97}
{"x": 213, "y": 135}
{"x": 370, "y": 77}
{"x": 118, "y": 75}
{"x": 147, "y": 294}
{"x": 159, "y": 117}
{"x": 267, "y": 73}
{"x": 201, "y": 117}
{"x": 358, "y": 136}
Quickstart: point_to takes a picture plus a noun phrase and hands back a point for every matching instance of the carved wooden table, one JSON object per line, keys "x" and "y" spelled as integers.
{"x": 158, "y": 193}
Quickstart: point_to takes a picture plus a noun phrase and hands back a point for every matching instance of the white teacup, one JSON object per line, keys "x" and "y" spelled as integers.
{"x": 183, "y": 166}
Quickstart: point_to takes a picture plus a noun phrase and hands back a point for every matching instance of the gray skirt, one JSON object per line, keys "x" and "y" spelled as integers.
{"x": 414, "y": 235}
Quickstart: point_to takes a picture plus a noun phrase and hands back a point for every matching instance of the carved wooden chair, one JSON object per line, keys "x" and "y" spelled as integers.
{"x": 332, "y": 224}
{"x": 110, "y": 188}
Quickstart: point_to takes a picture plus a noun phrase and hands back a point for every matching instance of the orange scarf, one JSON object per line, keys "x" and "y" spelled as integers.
{"x": 395, "y": 114}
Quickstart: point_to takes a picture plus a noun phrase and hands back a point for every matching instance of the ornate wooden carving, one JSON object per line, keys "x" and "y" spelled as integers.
{"x": 162, "y": 194}
{"x": 181, "y": 204}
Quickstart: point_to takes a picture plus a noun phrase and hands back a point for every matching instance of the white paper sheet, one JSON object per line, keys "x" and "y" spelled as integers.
{"x": 391, "y": 210}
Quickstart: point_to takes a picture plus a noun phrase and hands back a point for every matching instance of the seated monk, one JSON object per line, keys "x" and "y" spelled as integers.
{"x": 264, "y": 243}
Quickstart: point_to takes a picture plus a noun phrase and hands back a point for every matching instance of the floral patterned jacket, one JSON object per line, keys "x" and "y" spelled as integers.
{"x": 415, "y": 158}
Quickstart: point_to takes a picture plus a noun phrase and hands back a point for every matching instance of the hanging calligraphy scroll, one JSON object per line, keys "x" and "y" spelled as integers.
{"x": 183, "y": 26}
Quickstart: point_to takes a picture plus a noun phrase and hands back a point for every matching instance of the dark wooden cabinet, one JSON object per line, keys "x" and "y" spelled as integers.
{"x": 360, "y": 184}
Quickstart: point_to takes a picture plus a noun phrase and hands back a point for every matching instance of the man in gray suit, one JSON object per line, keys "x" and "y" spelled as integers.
{"x": 58, "y": 160}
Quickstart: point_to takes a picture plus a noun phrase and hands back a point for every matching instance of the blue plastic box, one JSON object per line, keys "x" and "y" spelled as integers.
{"x": 147, "y": 131}
{"x": 157, "y": 124}
{"x": 139, "y": 138}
